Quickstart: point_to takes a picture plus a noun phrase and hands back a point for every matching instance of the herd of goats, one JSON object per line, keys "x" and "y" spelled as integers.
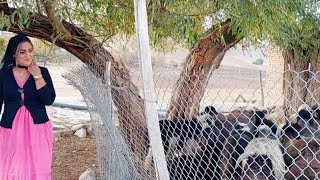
{"x": 244, "y": 144}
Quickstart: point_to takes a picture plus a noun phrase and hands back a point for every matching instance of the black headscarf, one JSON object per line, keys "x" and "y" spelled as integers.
{"x": 8, "y": 59}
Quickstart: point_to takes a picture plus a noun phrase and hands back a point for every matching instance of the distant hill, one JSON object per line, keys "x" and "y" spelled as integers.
{"x": 234, "y": 57}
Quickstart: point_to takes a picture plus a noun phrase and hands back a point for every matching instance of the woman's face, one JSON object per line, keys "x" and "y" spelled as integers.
{"x": 24, "y": 54}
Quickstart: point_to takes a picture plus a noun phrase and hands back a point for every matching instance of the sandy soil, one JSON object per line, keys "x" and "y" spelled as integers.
{"x": 72, "y": 156}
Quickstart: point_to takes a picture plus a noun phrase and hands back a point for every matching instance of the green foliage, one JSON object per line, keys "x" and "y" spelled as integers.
{"x": 170, "y": 22}
{"x": 101, "y": 18}
{"x": 19, "y": 17}
{"x": 4, "y": 21}
{"x": 181, "y": 21}
{"x": 288, "y": 23}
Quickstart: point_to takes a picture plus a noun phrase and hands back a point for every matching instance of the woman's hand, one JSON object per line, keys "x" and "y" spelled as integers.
{"x": 34, "y": 69}
{"x": 36, "y": 73}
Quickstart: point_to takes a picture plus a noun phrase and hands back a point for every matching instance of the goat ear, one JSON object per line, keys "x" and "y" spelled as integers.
{"x": 210, "y": 110}
{"x": 293, "y": 118}
{"x": 314, "y": 107}
{"x": 241, "y": 161}
{"x": 305, "y": 107}
{"x": 206, "y": 109}
{"x": 316, "y": 112}
{"x": 281, "y": 133}
{"x": 281, "y": 139}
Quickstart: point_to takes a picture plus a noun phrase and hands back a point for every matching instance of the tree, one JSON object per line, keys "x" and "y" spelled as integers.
{"x": 302, "y": 56}
{"x": 294, "y": 27}
{"x": 81, "y": 27}
{"x": 256, "y": 21}
{"x": 204, "y": 57}
{"x": 40, "y": 19}
{"x": 291, "y": 25}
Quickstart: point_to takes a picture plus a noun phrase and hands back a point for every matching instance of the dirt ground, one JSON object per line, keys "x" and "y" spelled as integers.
{"x": 72, "y": 156}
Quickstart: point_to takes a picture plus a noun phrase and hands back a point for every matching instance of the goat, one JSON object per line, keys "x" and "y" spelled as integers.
{"x": 300, "y": 124}
{"x": 201, "y": 165}
{"x": 197, "y": 165}
{"x": 175, "y": 135}
{"x": 304, "y": 157}
{"x": 233, "y": 147}
{"x": 262, "y": 157}
{"x": 277, "y": 117}
{"x": 181, "y": 136}
{"x": 211, "y": 144}
{"x": 316, "y": 115}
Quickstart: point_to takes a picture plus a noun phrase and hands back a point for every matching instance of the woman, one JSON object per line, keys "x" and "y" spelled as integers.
{"x": 25, "y": 130}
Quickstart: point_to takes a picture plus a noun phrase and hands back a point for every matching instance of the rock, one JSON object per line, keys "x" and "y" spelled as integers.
{"x": 76, "y": 127}
{"x": 58, "y": 126}
{"x": 61, "y": 132}
{"x": 81, "y": 133}
{"x": 90, "y": 131}
{"x": 88, "y": 175}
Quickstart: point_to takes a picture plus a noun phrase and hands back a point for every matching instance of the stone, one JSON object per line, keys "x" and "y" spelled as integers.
{"x": 88, "y": 175}
{"x": 76, "y": 127}
{"x": 90, "y": 131}
{"x": 58, "y": 126}
{"x": 61, "y": 132}
{"x": 81, "y": 133}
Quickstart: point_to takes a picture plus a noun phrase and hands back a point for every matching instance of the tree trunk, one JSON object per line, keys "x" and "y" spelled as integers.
{"x": 91, "y": 52}
{"x": 204, "y": 57}
{"x": 301, "y": 80}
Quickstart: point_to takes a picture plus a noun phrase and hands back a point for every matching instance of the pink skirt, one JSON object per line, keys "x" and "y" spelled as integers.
{"x": 26, "y": 149}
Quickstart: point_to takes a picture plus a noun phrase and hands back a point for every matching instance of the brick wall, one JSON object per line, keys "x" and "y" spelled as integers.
{"x": 274, "y": 81}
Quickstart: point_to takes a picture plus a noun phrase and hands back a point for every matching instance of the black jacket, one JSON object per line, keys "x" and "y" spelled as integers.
{"x": 34, "y": 100}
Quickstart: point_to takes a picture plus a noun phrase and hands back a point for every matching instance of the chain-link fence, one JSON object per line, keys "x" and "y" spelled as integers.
{"x": 248, "y": 126}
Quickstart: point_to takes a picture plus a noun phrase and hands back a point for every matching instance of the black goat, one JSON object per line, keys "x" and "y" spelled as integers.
{"x": 181, "y": 137}
{"x": 233, "y": 147}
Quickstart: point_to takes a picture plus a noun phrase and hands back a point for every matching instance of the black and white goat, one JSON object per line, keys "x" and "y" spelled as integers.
{"x": 181, "y": 137}
{"x": 250, "y": 123}
{"x": 300, "y": 124}
{"x": 262, "y": 157}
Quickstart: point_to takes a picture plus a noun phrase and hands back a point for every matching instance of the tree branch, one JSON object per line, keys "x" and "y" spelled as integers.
{"x": 38, "y": 6}
{"x": 56, "y": 23}
{"x": 79, "y": 42}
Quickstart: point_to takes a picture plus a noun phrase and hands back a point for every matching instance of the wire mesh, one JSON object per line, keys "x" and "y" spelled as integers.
{"x": 114, "y": 156}
{"x": 248, "y": 124}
